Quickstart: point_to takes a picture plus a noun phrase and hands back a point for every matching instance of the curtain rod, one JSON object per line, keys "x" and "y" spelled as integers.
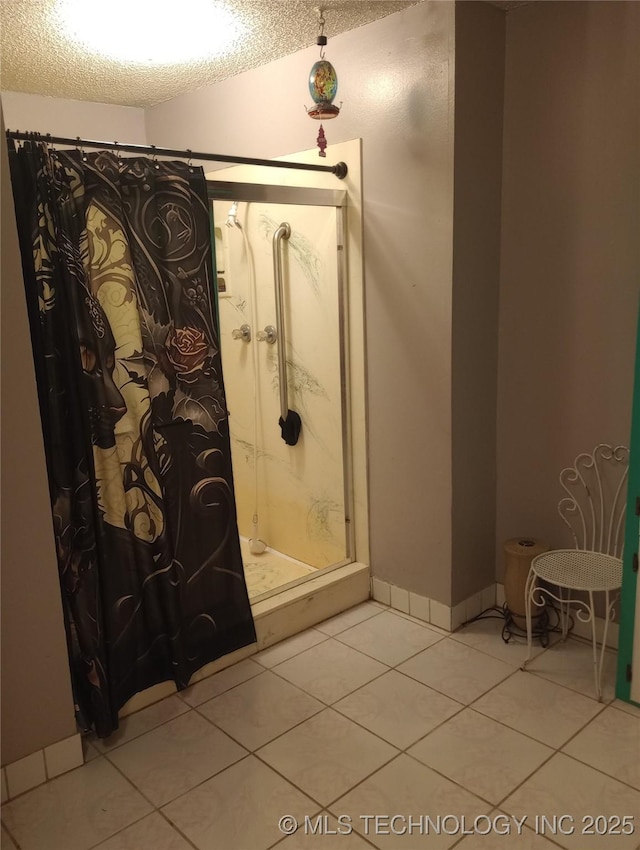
{"x": 340, "y": 169}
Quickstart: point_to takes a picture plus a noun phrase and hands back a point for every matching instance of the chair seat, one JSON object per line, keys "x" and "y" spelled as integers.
{"x": 577, "y": 569}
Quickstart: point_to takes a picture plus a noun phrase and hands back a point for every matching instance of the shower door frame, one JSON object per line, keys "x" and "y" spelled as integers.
{"x": 219, "y": 190}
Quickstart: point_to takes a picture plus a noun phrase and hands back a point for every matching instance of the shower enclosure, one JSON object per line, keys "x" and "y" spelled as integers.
{"x": 283, "y": 326}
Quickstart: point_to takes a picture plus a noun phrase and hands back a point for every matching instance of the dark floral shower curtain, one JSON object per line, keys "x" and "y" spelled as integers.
{"x": 118, "y": 274}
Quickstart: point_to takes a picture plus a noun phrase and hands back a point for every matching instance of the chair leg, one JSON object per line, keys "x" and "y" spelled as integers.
{"x": 607, "y": 618}
{"x": 528, "y": 599}
{"x": 564, "y": 612}
{"x": 595, "y": 646}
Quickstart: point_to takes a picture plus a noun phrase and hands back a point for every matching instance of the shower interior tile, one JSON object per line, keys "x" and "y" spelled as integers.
{"x": 270, "y": 570}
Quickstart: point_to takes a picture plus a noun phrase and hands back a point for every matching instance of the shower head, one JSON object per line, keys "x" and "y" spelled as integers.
{"x": 232, "y": 220}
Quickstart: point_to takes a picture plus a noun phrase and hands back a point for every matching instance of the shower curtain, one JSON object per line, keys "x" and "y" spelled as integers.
{"x": 118, "y": 274}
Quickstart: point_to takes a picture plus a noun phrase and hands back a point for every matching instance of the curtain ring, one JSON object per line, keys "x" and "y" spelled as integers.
{"x": 190, "y": 160}
{"x": 119, "y": 155}
{"x": 154, "y": 158}
{"x": 81, "y": 150}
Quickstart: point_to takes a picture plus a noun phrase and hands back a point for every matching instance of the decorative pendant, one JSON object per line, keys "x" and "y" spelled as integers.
{"x": 323, "y": 87}
{"x": 322, "y": 142}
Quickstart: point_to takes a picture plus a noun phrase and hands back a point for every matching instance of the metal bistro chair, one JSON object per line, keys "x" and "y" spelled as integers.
{"x": 594, "y": 510}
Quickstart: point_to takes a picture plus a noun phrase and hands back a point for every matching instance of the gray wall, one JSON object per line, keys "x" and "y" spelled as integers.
{"x": 396, "y": 84}
{"x": 480, "y": 40}
{"x": 37, "y": 706}
{"x": 570, "y": 266}
{"x": 70, "y": 118}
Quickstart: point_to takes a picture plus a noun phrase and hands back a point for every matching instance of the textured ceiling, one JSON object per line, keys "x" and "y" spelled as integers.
{"x": 37, "y": 57}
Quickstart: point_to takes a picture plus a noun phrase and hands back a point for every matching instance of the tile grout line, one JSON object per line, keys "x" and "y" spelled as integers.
{"x": 177, "y": 829}
{"x": 332, "y": 706}
{"x": 597, "y": 769}
{"x": 392, "y": 666}
{"x": 322, "y": 708}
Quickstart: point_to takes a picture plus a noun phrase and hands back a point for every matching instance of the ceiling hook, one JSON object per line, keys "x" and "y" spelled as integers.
{"x": 321, "y": 40}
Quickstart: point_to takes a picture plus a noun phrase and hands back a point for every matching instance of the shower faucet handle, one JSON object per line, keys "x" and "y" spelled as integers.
{"x": 269, "y": 334}
{"x": 243, "y": 332}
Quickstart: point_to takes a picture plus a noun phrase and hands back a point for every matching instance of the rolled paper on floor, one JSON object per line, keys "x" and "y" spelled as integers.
{"x": 519, "y": 552}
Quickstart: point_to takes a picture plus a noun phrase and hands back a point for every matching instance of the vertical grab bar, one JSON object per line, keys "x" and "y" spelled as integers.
{"x": 290, "y": 422}
{"x": 282, "y": 232}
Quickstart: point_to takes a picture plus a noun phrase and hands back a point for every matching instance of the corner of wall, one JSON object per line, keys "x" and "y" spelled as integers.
{"x": 479, "y": 91}
{"x": 37, "y": 703}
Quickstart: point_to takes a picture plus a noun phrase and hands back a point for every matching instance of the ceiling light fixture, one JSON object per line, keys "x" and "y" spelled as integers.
{"x": 151, "y": 32}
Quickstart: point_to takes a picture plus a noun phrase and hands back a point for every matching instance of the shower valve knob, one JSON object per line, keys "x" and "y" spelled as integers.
{"x": 243, "y": 332}
{"x": 269, "y": 334}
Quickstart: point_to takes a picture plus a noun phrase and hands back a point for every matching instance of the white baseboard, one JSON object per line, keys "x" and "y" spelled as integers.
{"x": 47, "y": 763}
{"x": 430, "y": 610}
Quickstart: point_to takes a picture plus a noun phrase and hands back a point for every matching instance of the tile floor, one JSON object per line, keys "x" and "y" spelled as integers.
{"x": 371, "y": 713}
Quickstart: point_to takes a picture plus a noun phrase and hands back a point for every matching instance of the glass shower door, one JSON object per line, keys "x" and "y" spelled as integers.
{"x": 293, "y": 500}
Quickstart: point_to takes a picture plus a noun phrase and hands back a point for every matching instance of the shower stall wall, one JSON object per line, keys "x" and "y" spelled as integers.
{"x": 292, "y": 499}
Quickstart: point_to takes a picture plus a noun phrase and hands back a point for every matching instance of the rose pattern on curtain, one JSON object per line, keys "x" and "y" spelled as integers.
{"x": 118, "y": 272}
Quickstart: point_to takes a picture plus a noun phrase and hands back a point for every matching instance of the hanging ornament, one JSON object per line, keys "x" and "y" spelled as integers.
{"x": 323, "y": 87}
